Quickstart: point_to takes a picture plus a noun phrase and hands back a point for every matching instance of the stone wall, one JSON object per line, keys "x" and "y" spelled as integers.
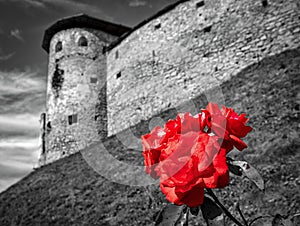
{"x": 76, "y": 116}
{"x": 194, "y": 47}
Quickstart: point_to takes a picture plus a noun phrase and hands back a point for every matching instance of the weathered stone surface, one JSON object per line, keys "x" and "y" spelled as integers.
{"x": 166, "y": 62}
{"x": 79, "y": 91}
{"x": 187, "y": 54}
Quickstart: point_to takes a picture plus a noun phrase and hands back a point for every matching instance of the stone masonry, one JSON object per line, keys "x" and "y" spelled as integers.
{"x": 190, "y": 49}
{"x": 117, "y": 79}
{"x": 76, "y": 91}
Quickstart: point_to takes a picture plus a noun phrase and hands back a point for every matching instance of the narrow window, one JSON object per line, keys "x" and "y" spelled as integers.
{"x": 94, "y": 80}
{"x": 58, "y": 47}
{"x": 207, "y": 29}
{"x": 82, "y": 41}
{"x": 104, "y": 48}
{"x": 72, "y": 119}
{"x": 157, "y": 26}
{"x": 199, "y": 4}
{"x": 119, "y": 75}
{"x": 117, "y": 54}
{"x": 264, "y": 3}
{"x": 153, "y": 53}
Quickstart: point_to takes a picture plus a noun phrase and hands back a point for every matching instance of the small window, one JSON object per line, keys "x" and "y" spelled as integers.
{"x": 207, "y": 29}
{"x": 117, "y": 54}
{"x": 157, "y": 26}
{"x": 58, "y": 47}
{"x": 82, "y": 41}
{"x": 119, "y": 75}
{"x": 264, "y": 3}
{"x": 104, "y": 48}
{"x": 94, "y": 80}
{"x": 72, "y": 119}
{"x": 200, "y": 4}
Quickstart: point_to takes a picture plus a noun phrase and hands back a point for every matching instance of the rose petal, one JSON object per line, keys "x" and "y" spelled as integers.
{"x": 238, "y": 143}
{"x": 238, "y": 128}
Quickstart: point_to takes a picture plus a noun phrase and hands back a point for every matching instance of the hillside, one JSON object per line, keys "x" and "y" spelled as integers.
{"x": 69, "y": 192}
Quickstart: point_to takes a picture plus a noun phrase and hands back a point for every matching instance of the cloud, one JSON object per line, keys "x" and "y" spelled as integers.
{"x": 19, "y": 147}
{"x": 17, "y": 34}
{"x": 67, "y": 5}
{"x": 22, "y": 91}
{"x": 34, "y": 3}
{"x": 137, "y": 3}
{"x": 6, "y": 56}
{"x": 19, "y": 156}
{"x": 22, "y": 98}
{"x": 22, "y": 125}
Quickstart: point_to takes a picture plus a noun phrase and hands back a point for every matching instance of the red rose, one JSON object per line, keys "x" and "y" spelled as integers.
{"x": 157, "y": 140}
{"x": 185, "y": 158}
{"x": 227, "y": 124}
{"x": 192, "y": 163}
{"x": 189, "y": 153}
{"x": 153, "y": 143}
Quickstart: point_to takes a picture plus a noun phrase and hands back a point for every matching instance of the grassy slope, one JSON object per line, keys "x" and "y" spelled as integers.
{"x": 69, "y": 192}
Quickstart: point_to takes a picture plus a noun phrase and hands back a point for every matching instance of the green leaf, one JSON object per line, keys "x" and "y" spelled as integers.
{"x": 170, "y": 215}
{"x": 250, "y": 172}
{"x": 210, "y": 209}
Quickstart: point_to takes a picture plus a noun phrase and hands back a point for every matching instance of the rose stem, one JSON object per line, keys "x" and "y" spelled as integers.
{"x": 241, "y": 214}
{"x": 186, "y": 220}
{"x": 210, "y": 192}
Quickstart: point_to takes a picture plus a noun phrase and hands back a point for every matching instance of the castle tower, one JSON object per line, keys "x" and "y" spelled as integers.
{"x": 76, "y": 113}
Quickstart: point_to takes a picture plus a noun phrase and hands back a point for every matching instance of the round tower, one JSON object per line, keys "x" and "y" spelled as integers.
{"x": 76, "y": 113}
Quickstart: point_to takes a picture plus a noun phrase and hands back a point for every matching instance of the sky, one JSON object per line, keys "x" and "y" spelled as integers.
{"x": 23, "y": 69}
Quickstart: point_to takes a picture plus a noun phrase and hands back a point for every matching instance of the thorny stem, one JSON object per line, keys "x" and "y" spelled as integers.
{"x": 210, "y": 192}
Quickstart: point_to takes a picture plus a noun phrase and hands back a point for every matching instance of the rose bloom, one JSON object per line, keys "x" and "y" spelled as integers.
{"x": 189, "y": 153}
{"x": 227, "y": 124}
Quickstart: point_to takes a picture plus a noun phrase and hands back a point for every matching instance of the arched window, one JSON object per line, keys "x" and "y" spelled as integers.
{"x": 58, "y": 46}
{"x": 82, "y": 41}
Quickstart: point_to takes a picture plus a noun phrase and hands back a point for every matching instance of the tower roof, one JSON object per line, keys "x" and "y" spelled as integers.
{"x": 85, "y": 21}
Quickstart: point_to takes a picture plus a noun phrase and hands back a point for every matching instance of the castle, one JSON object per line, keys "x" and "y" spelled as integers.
{"x": 104, "y": 78}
